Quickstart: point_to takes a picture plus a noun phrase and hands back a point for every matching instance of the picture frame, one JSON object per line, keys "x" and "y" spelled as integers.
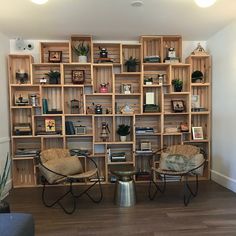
{"x": 197, "y": 133}
{"x": 126, "y": 88}
{"x": 178, "y": 105}
{"x": 78, "y": 76}
{"x": 55, "y": 56}
{"x": 195, "y": 101}
{"x": 50, "y": 125}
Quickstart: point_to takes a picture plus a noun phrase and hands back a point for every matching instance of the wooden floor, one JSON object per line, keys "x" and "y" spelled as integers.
{"x": 213, "y": 212}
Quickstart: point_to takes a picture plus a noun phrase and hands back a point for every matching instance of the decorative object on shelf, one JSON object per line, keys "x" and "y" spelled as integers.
{"x": 126, "y": 88}
{"x": 43, "y": 81}
{"x": 152, "y": 59}
{"x": 21, "y": 77}
{"x": 171, "y": 130}
{"x": 199, "y": 51}
{"x": 178, "y": 85}
{"x": 105, "y": 132}
{"x": 98, "y": 109}
{"x": 171, "y": 55}
{"x": 22, "y": 129}
{"x": 54, "y": 76}
{"x": 184, "y": 127}
{"x": 148, "y": 80}
{"x": 145, "y": 145}
{"x": 197, "y": 133}
{"x": 161, "y": 78}
{"x": 126, "y": 109}
{"x": 178, "y": 105}
{"x": 151, "y": 108}
{"x": 150, "y": 97}
{"x": 171, "y": 52}
{"x": 78, "y": 76}
{"x": 103, "y": 56}
{"x": 45, "y": 105}
{"x": 118, "y": 157}
{"x": 55, "y": 56}
{"x": 196, "y": 76}
{"x": 104, "y": 88}
{"x": 131, "y": 64}
{"x": 75, "y": 106}
{"x": 70, "y": 130}
{"x": 34, "y": 100}
{"x": 195, "y": 102}
{"x": 82, "y": 51}
{"x": 123, "y": 130}
{"x": 4, "y": 206}
{"x": 144, "y": 130}
{"x": 50, "y": 125}
{"x": 79, "y": 129}
{"x": 21, "y": 98}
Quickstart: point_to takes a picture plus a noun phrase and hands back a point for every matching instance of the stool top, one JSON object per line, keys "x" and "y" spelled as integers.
{"x": 123, "y": 172}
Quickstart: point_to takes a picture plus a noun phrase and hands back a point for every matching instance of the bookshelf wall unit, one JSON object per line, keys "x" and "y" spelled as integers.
{"x": 41, "y": 113}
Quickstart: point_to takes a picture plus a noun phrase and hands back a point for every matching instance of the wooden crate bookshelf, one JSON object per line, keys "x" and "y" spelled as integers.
{"x": 87, "y": 94}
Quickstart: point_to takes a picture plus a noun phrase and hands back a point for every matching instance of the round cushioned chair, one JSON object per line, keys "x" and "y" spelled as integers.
{"x": 178, "y": 161}
{"x": 57, "y": 166}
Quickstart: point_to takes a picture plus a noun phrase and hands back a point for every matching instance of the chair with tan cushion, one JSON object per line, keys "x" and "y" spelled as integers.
{"x": 57, "y": 166}
{"x": 179, "y": 161}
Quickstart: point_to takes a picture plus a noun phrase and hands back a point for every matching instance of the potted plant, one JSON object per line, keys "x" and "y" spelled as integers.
{"x": 82, "y": 51}
{"x": 178, "y": 85}
{"x": 131, "y": 64}
{"x": 4, "y": 206}
{"x": 123, "y": 130}
{"x": 54, "y": 77}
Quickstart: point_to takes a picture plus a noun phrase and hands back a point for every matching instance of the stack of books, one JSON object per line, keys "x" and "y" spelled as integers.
{"x": 26, "y": 153}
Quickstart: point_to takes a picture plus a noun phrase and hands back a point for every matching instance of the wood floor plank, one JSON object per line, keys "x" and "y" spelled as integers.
{"x": 212, "y": 212}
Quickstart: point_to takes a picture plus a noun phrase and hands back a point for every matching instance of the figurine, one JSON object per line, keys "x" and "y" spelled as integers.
{"x": 199, "y": 50}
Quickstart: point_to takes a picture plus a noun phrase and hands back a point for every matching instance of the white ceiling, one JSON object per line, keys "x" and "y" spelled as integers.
{"x": 113, "y": 19}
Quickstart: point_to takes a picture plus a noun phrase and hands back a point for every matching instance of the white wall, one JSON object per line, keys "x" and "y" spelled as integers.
{"x": 222, "y": 47}
{"x": 4, "y": 111}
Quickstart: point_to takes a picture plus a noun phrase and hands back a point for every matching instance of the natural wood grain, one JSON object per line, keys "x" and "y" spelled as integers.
{"x": 213, "y": 212}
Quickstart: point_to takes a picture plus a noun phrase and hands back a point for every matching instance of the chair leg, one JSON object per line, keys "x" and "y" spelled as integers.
{"x": 58, "y": 200}
{"x": 188, "y": 191}
{"x": 157, "y": 188}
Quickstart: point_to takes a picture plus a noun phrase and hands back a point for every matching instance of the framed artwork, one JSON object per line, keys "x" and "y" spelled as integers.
{"x": 197, "y": 133}
{"x": 178, "y": 105}
{"x": 54, "y": 56}
{"x": 126, "y": 88}
{"x": 195, "y": 101}
{"x": 50, "y": 125}
{"x": 78, "y": 76}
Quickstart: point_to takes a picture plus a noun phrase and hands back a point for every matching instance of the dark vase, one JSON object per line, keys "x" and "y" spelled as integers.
{"x": 178, "y": 88}
{"x": 131, "y": 68}
{"x": 4, "y": 207}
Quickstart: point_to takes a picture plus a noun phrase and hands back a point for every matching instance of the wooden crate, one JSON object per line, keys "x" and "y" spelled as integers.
{"x": 98, "y": 120}
{"x": 82, "y": 143}
{"x": 46, "y": 47}
{"x": 133, "y": 101}
{"x": 126, "y": 120}
{"x": 52, "y": 142}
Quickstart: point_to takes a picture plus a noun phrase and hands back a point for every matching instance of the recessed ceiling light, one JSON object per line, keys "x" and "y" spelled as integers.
{"x": 205, "y": 3}
{"x": 137, "y": 3}
{"x": 39, "y": 1}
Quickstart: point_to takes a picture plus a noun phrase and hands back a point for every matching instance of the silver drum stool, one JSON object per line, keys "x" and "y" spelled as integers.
{"x": 125, "y": 193}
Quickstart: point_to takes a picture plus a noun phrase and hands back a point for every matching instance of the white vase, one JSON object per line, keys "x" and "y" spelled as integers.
{"x": 123, "y": 138}
{"x": 83, "y": 59}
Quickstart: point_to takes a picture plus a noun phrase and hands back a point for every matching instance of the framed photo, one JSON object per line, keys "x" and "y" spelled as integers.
{"x": 54, "y": 56}
{"x": 197, "y": 133}
{"x": 126, "y": 88}
{"x": 195, "y": 101}
{"x": 78, "y": 76}
{"x": 178, "y": 105}
{"x": 50, "y": 125}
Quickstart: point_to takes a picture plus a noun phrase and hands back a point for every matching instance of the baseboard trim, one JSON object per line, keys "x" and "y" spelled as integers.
{"x": 4, "y": 140}
{"x": 223, "y": 180}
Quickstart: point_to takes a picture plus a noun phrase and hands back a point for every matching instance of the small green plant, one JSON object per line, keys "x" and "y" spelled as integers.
{"x": 81, "y": 49}
{"x": 53, "y": 76}
{"x": 123, "y": 130}
{"x": 178, "y": 84}
{"x": 4, "y": 175}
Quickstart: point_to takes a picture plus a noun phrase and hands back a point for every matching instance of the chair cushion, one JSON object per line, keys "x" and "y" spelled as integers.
{"x": 181, "y": 163}
{"x": 186, "y": 150}
{"x": 65, "y": 166}
{"x": 54, "y": 153}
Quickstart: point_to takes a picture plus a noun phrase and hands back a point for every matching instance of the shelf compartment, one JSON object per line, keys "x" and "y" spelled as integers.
{"x": 19, "y": 63}
{"x": 98, "y": 120}
{"x": 157, "y": 98}
{"x": 131, "y": 50}
{"x": 170, "y": 139}
{"x": 154, "y": 140}
{"x": 39, "y": 72}
{"x": 82, "y": 143}
{"x": 134, "y": 80}
{"x": 203, "y": 121}
{"x": 102, "y": 74}
{"x": 113, "y": 49}
{"x": 100, "y": 161}
{"x": 201, "y": 99}
{"x": 74, "y": 94}
{"x": 67, "y": 73}
{"x": 126, "y": 120}
{"x": 24, "y": 173}
{"x": 75, "y": 41}
{"x": 133, "y": 101}
{"x": 52, "y": 142}
{"x": 93, "y": 100}
{"x": 63, "y": 47}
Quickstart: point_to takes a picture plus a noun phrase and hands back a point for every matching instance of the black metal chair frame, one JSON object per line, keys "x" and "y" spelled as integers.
{"x": 189, "y": 192}
{"x": 70, "y": 190}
